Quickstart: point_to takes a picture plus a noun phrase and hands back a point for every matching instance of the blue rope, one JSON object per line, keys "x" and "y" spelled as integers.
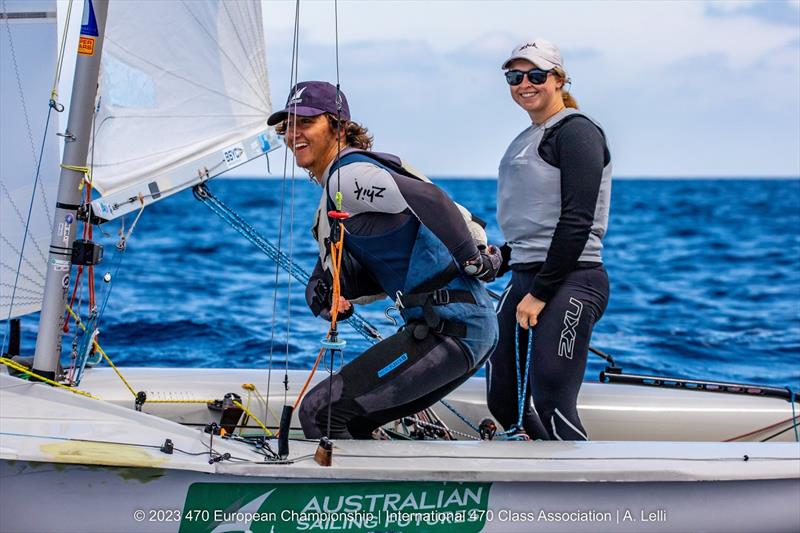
{"x": 85, "y": 346}
{"x": 521, "y": 384}
{"x": 360, "y": 324}
{"x": 522, "y": 381}
{"x": 460, "y": 416}
{"x": 795, "y": 422}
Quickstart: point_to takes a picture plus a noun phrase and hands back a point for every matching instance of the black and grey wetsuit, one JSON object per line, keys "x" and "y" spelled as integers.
{"x": 553, "y": 197}
{"x": 405, "y": 238}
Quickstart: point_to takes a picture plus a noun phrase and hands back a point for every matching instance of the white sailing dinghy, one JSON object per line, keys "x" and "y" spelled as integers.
{"x": 187, "y": 449}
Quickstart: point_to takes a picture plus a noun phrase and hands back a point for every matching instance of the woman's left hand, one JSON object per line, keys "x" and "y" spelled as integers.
{"x": 528, "y": 311}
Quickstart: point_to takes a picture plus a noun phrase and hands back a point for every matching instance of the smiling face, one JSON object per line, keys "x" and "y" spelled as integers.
{"x": 313, "y": 142}
{"x": 540, "y": 101}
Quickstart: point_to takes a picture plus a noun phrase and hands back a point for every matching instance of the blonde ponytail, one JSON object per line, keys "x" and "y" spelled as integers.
{"x": 569, "y": 100}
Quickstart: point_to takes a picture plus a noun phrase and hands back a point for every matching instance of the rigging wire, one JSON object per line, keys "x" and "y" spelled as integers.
{"x": 335, "y": 257}
{"x": 60, "y": 63}
{"x": 292, "y": 82}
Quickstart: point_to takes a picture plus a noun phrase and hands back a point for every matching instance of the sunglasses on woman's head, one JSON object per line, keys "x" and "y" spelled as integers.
{"x": 536, "y": 76}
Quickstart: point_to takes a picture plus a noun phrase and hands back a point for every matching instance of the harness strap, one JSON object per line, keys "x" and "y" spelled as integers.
{"x": 420, "y": 329}
{"x": 437, "y": 297}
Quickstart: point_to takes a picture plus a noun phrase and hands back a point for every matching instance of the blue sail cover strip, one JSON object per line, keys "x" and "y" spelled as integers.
{"x": 359, "y": 323}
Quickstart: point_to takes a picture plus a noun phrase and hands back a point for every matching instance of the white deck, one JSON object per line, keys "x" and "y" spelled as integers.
{"x": 42, "y": 424}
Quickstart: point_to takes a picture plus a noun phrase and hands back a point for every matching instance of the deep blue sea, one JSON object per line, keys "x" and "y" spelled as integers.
{"x": 705, "y": 280}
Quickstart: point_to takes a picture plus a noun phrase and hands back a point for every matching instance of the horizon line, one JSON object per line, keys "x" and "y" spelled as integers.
{"x": 623, "y": 177}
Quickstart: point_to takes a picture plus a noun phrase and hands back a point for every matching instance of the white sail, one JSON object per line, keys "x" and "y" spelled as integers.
{"x": 28, "y": 51}
{"x": 180, "y": 80}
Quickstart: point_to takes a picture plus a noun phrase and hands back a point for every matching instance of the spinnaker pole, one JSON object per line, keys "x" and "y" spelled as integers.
{"x": 76, "y": 147}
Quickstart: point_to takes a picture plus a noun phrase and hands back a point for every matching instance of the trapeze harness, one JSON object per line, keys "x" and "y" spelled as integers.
{"x": 450, "y": 326}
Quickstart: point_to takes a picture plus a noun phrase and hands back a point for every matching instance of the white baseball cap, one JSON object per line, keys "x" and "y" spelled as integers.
{"x": 540, "y": 52}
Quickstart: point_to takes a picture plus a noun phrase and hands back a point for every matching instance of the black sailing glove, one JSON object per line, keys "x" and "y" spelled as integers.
{"x": 486, "y": 265}
{"x": 505, "y": 252}
{"x": 319, "y": 296}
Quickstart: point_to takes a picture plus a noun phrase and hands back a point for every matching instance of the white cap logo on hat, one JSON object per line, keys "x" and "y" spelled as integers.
{"x": 540, "y": 52}
{"x": 297, "y": 97}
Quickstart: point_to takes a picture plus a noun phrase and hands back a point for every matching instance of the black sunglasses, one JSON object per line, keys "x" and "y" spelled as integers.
{"x": 536, "y": 76}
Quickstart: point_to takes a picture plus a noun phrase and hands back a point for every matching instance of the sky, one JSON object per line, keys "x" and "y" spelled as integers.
{"x": 683, "y": 89}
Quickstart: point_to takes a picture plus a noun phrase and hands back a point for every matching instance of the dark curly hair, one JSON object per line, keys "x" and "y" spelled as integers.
{"x": 355, "y": 135}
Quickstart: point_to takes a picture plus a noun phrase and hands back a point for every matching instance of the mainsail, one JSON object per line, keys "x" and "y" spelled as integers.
{"x": 183, "y": 96}
{"x": 28, "y": 51}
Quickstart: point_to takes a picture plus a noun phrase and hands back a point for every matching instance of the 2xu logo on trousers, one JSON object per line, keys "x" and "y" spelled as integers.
{"x": 566, "y": 343}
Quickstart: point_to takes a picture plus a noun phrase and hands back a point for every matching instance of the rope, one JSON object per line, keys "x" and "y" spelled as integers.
{"x": 86, "y": 171}
{"x": 460, "y": 416}
{"x": 25, "y": 370}
{"x": 308, "y": 380}
{"x": 254, "y": 417}
{"x": 123, "y": 239}
{"x": 516, "y": 432}
{"x": 359, "y": 323}
{"x": 437, "y": 426}
{"x": 251, "y": 388}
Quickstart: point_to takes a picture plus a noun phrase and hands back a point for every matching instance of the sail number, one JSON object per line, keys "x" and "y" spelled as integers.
{"x": 233, "y": 155}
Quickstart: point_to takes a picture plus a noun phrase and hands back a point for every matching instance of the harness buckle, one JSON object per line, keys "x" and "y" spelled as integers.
{"x": 441, "y": 297}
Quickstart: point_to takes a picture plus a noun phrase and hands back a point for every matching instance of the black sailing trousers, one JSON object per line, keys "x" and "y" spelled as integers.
{"x": 560, "y": 347}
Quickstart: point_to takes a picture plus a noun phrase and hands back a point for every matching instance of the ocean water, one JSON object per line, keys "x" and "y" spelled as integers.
{"x": 705, "y": 280}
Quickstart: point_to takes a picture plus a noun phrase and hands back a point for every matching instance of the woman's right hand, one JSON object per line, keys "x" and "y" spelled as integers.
{"x": 345, "y": 310}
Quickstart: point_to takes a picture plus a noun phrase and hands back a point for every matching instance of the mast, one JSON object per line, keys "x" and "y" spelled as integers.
{"x": 76, "y": 147}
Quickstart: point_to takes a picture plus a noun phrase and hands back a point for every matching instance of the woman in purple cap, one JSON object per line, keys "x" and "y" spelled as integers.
{"x": 404, "y": 238}
{"x": 553, "y": 196}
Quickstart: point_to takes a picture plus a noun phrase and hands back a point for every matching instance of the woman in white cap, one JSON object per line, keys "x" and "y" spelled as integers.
{"x": 552, "y": 205}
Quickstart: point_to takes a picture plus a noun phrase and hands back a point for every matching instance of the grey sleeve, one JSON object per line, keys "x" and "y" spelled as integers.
{"x": 438, "y": 213}
{"x": 369, "y": 188}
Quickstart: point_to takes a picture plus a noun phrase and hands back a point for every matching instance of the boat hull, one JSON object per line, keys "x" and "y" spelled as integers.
{"x": 124, "y": 499}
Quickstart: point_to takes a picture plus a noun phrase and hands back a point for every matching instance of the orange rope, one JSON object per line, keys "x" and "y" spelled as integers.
{"x": 308, "y": 381}
{"x": 336, "y": 264}
{"x": 760, "y": 430}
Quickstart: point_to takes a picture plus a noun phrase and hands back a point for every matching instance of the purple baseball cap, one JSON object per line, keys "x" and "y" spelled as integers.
{"x": 312, "y": 98}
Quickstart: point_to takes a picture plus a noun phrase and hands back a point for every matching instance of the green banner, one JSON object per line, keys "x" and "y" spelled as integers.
{"x": 347, "y": 506}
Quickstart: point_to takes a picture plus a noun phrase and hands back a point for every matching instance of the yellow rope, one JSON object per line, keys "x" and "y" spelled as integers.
{"x": 180, "y": 401}
{"x": 254, "y": 417}
{"x": 16, "y": 366}
{"x": 251, "y": 387}
{"x": 102, "y": 352}
{"x": 86, "y": 171}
